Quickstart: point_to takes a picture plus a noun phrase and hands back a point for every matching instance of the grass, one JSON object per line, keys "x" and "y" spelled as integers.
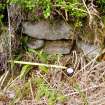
{"x": 35, "y": 87}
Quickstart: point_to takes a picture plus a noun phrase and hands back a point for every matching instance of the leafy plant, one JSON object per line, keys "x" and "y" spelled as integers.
{"x": 2, "y": 7}
{"x": 102, "y": 2}
{"x": 73, "y": 7}
{"x": 31, "y": 5}
{"x": 25, "y": 70}
{"x": 47, "y": 8}
{"x": 101, "y": 5}
{"x": 40, "y": 89}
{"x": 42, "y": 57}
{"x": 43, "y": 90}
{"x": 24, "y": 41}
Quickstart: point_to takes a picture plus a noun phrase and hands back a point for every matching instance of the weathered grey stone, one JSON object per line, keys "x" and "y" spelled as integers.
{"x": 57, "y": 47}
{"x": 51, "y": 47}
{"x": 45, "y": 30}
{"x": 36, "y": 44}
{"x": 90, "y": 50}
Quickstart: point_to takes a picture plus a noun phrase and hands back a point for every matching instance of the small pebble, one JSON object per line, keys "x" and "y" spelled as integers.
{"x": 70, "y": 71}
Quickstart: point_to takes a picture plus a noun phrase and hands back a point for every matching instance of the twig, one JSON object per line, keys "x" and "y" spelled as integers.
{"x": 37, "y": 64}
{"x": 33, "y": 99}
{"x": 11, "y": 83}
{"x": 93, "y": 60}
{"x": 86, "y": 8}
{"x": 90, "y": 16}
{"x": 87, "y": 89}
{"x": 3, "y": 79}
{"x": 9, "y": 30}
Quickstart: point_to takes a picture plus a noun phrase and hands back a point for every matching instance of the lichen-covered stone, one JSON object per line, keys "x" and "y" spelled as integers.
{"x": 48, "y": 31}
{"x": 90, "y": 50}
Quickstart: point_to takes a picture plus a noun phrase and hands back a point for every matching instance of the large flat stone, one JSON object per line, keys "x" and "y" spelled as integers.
{"x": 57, "y": 47}
{"x": 48, "y": 31}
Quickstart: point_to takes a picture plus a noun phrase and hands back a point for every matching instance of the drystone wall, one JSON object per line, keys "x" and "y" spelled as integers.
{"x": 56, "y": 37}
{"x": 53, "y": 37}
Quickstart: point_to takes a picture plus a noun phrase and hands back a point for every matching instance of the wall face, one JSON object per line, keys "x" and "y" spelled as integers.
{"x": 52, "y": 37}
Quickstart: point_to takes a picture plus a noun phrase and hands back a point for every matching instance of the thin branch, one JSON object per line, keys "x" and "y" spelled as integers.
{"x": 37, "y": 64}
{"x": 87, "y": 89}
